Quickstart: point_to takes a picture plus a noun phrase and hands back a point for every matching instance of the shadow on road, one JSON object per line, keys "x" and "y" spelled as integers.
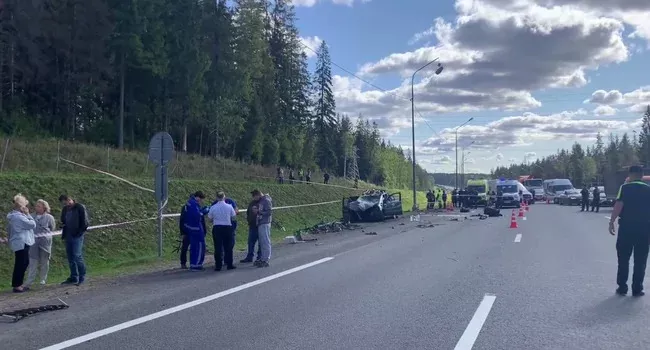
{"x": 613, "y": 309}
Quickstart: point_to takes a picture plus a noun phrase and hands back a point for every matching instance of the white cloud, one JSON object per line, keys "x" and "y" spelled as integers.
{"x": 494, "y": 58}
{"x": 313, "y": 42}
{"x": 530, "y": 155}
{"x": 442, "y": 160}
{"x": 523, "y": 130}
{"x": 499, "y": 157}
{"x": 470, "y": 160}
{"x": 604, "y": 110}
{"x": 637, "y": 100}
{"x": 512, "y": 160}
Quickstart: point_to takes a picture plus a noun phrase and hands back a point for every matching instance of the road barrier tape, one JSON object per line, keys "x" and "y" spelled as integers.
{"x": 98, "y": 227}
{"x": 109, "y": 174}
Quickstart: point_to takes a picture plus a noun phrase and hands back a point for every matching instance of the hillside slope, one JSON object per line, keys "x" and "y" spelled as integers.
{"x": 112, "y": 201}
{"x": 113, "y": 250}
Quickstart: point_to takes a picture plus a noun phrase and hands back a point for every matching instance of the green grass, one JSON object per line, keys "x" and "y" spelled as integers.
{"x": 32, "y": 169}
{"x": 112, "y": 201}
{"x": 42, "y": 157}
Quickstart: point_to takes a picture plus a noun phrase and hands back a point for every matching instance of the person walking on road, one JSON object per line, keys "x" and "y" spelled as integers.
{"x": 193, "y": 226}
{"x": 222, "y": 215}
{"x": 253, "y": 235}
{"x": 21, "y": 236}
{"x": 264, "y": 219}
{"x": 41, "y": 251}
{"x": 74, "y": 220}
{"x": 585, "y": 198}
{"x": 632, "y": 211}
{"x": 595, "y": 202}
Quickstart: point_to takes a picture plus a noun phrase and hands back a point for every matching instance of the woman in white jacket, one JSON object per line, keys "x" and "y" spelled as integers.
{"x": 40, "y": 252}
{"x": 21, "y": 236}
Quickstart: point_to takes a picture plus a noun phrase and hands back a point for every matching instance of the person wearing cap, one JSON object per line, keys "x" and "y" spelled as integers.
{"x": 221, "y": 214}
{"x": 632, "y": 212}
{"x": 264, "y": 219}
{"x": 193, "y": 225}
{"x": 185, "y": 238}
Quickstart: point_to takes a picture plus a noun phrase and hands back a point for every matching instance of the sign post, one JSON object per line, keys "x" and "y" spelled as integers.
{"x": 161, "y": 151}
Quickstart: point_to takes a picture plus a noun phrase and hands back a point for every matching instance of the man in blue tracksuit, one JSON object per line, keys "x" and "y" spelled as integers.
{"x": 193, "y": 226}
{"x": 233, "y": 221}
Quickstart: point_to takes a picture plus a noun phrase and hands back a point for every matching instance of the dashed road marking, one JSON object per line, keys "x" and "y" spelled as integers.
{"x": 518, "y": 238}
{"x": 467, "y": 340}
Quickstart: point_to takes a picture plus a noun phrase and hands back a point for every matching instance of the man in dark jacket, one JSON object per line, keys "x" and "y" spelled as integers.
{"x": 595, "y": 203}
{"x": 585, "y": 198}
{"x": 185, "y": 238}
{"x": 74, "y": 223}
{"x": 253, "y": 236}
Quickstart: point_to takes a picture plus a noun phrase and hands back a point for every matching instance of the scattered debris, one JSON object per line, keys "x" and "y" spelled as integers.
{"x": 324, "y": 227}
{"x": 452, "y": 259}
{"x": 427, "y": 225}
{"x": 372, "y": 233}
{"x": 290, "y": 239}
{"x": 18, "y": 315}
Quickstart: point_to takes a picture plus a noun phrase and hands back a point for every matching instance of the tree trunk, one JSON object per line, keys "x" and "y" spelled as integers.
{"x": 185, "y": 137}
{"x": 2, "y": 65}
{"x": 120, "y": 132}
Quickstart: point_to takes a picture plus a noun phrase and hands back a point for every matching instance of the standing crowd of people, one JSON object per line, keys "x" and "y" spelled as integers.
{"x": 595, "y": 201}
{"x": 303, "y": 176}
{"x": 222, "y": 213}
{"x": 30, "y": 238}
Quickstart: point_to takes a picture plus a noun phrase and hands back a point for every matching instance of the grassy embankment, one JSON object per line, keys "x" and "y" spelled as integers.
{"x": 33, "y": 172}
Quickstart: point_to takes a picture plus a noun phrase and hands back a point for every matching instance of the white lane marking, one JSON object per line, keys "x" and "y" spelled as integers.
{"x": 518, "y": 238}
{"x": 159, "y": 314}
{"x": 607, "y": 217}
{"x": 524, "y": 218}
{"x": 467, "y": 340}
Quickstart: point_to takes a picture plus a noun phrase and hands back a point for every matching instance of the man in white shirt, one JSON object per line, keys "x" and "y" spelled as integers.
{"x": 221, "y": 214}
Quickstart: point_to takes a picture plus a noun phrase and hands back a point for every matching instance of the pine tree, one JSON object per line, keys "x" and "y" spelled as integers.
{"x": 325, "y": 109}
{"x": 644, "y": 139}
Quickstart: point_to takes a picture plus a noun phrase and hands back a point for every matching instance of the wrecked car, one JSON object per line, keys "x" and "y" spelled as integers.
{"x": 372, "y": 205}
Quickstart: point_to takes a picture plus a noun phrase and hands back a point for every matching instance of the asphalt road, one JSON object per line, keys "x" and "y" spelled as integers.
{"x": 547, "y": 285}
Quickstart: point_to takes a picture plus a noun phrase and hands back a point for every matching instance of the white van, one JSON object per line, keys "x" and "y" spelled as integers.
{"x": 557, "y": 187}
{"x": 508, "y": 193}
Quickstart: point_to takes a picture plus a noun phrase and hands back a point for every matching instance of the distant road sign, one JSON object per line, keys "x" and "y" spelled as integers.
{"x": 161, "y": 148}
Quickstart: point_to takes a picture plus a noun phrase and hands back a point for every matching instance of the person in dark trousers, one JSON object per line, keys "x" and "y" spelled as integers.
{"x": 633, "y": 214}
{"x": 326, "y": 178}
{"x": 431, "y": 200}
{"x": 222, "y": 215}
{"x": 454, "y": 197}
{"x": 193, "y": 225}
{"x": 444, "y": 198}
{"x": 253, "y": 233}
{"x": 74, "y": 221}
{"x": 20, "y": 227}
{"x": 292, "y": 176}
{"x": 595, "y": 202}
{"x": 308, "y": 176}
{"x": 585, "y": 198}
{"x": 185, "y": 238}
{"x": 233, "y": 222}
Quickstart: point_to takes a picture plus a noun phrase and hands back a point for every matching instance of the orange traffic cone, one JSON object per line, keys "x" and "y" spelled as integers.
{"x": 513, "y": 220}
{"x": 548, "y": 201}
{"x": 521, "y": 211}
{"x": 526, "y": 206}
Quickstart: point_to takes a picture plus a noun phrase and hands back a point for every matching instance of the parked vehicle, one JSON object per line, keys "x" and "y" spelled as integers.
{"x": 373, "y": 205}
{"x": 508, "y": 193}
{"x": 556, "y": 188}
{"x": 538, "y": 186}
{"x": 528, "y": 197}
{"x": 570, "y": 197}
{"x": 481, "y": 187}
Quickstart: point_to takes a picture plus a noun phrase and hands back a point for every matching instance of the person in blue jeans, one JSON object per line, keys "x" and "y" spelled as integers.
{"x": 251, "y": 218}
{"x": 74, "y": 221}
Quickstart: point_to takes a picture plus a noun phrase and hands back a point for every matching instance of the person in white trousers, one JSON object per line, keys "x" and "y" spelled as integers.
{"x": 41, "y": 251}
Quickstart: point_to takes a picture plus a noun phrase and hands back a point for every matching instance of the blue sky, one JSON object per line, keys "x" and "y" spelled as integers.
{"x": 535, "y": 76}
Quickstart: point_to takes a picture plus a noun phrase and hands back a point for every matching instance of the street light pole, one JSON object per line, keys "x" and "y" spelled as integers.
{"x": 457, "y": 128}
{"x": 438, "y": 71}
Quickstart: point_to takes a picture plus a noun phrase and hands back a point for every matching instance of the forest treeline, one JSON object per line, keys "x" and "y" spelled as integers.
{"x": 224, "y": 78}
{"x": 586, "y": 165}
